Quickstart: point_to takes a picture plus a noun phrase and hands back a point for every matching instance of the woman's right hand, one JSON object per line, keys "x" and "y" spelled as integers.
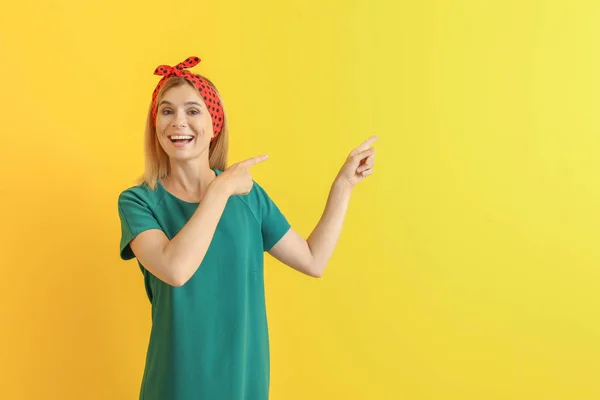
{"x": 236, "y": 180}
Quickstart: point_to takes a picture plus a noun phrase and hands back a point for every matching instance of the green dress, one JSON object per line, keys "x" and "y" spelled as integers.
{"x": 209, "y": 337}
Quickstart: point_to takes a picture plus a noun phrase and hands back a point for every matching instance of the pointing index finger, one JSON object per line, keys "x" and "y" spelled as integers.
{"x": 254, "y": 160}
{"x": 365, "y": 145}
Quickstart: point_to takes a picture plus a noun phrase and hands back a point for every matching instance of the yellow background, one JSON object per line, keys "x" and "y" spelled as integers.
{"x": 468, "y": 266}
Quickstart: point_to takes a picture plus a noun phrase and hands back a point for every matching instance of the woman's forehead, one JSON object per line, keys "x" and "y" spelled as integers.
{"x": 182, "y": 94}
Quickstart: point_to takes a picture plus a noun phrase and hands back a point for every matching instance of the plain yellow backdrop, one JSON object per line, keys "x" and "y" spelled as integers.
{"x": 468, "y": 264}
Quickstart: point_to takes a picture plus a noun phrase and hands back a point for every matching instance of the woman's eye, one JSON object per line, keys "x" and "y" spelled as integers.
{"x": 194, "y": 112}
{"x": 166, "y": 111}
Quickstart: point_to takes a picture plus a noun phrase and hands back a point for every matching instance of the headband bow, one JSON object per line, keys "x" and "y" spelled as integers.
{"x": 207, "y": 91}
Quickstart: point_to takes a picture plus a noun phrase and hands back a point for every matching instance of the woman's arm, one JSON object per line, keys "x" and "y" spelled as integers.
{"x": 312, "y": 255}
{"x": 175, "y": 261}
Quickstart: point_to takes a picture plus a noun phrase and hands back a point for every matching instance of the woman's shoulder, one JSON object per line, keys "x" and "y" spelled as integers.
{"x": 139, "y": 193}
{"x": 257, "y": 199}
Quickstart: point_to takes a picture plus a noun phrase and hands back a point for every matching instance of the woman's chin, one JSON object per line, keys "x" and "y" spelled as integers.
{"x": 184, "y": 154}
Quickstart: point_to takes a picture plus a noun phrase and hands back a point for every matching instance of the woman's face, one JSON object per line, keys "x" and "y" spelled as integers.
{"x": 183, "y": 124}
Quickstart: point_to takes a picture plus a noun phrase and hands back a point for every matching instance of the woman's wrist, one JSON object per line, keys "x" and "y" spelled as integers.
{"x": 219, "y": 187}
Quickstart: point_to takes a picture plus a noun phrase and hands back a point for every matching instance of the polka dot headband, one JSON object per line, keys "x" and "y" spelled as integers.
{"x": 207, "y": 91}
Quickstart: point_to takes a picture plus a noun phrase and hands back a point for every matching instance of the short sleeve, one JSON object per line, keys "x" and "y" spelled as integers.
{"x": 273, "y": 223}
{"x": 136, "y": 217}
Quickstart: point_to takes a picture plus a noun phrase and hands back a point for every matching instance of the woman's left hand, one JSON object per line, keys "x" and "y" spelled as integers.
{"x": 358, "y": 165}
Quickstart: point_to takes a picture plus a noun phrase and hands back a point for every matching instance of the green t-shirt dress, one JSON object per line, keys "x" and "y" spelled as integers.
{"x": 209, "y": 338}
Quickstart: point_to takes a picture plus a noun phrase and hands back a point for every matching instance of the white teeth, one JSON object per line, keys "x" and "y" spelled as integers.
{"x": 181, "y": 137}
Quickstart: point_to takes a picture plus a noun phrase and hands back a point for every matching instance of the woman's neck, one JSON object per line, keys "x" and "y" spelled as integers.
{"x": 189, "y": 181}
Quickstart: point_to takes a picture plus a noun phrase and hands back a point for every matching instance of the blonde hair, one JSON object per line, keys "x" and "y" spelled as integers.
{"x": 157, "y": 164}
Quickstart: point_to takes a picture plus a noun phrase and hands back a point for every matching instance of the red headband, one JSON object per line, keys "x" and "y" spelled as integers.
{"x": 207, "y": 91}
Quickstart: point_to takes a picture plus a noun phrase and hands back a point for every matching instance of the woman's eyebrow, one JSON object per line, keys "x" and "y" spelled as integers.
{"x": 187, "y": 103}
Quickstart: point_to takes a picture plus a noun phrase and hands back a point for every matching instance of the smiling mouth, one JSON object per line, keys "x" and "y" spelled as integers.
{"x": 181, "y": 139}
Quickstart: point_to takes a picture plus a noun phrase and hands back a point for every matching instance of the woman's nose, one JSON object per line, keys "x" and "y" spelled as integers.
{"x": 179, "y": 120}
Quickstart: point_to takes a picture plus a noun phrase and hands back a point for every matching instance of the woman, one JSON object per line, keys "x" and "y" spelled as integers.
{"x": 199, "y": 230}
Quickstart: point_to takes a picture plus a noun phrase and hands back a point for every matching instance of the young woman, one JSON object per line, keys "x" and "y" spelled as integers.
{"x": 199, "y": 231}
